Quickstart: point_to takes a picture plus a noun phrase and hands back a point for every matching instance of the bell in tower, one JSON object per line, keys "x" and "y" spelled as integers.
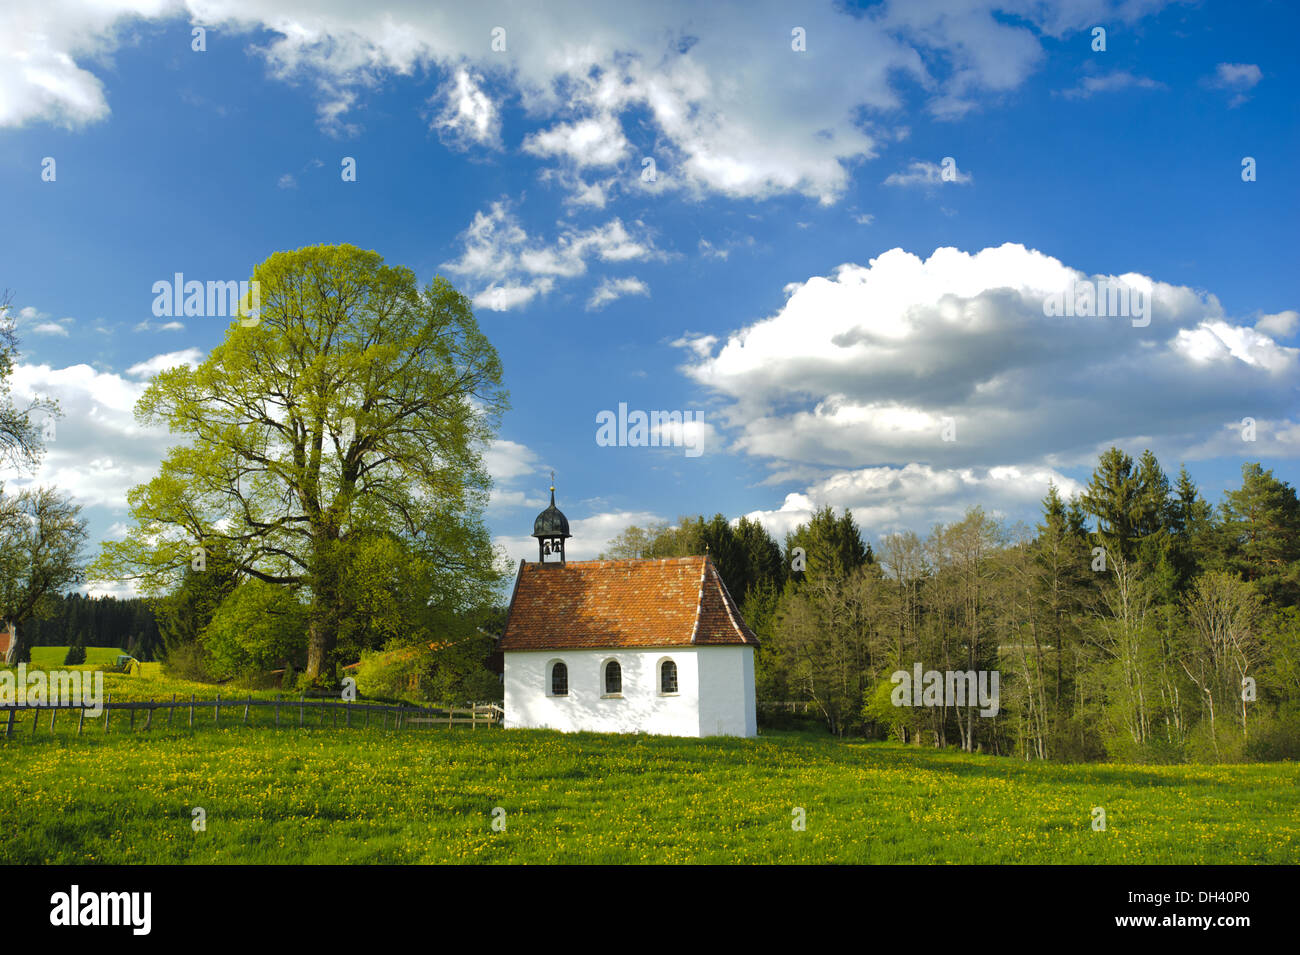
{"x": 551, "y": 530}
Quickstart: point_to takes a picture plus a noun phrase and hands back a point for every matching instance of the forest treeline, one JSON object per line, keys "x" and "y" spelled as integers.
{"x": 80, "y": 620}
{"x": 1135, "y": 621}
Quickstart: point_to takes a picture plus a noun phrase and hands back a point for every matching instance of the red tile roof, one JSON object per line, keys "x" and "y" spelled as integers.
{"x": 675, "y": 602}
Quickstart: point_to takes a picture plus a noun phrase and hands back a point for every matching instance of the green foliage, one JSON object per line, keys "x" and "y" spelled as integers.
{"x": 449, "y": 672}
{"x": 1275, "y": 738}
{"x": 1279, "y": 674}
{"x": 99, "y": 622}
{"x": 257, "y": 627}
{"x": 344, "y": 430}
{"x": 21, "y": 442}
{"x": 188, "y": 661}
{"x": 827, "y": 634}
{"x": 390, "y": 674}
{"x": 833, "y": 545}
{"x": 1137, "y": 516}
{"x": 75, "y": 656}
{"x": 1261, "y": 534}
{"x": 185, "y": 613}
{"x": 41, "y": 536}
{"x": 1144, "y": 660}
{"x": 879, "y": 708}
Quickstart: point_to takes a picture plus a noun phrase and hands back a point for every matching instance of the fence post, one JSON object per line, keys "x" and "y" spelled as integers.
{"x": 9, "y": 724}
{"x": 191, "y": 711}
{"x": 53, "y": 713}
{"x": 246, "y": 706}
{"x": 108, "y": 706}
{"x": 36, "y": 719}
{"x": 171, "y": 710}
{"x": 148, "y": 720}
{"x": 80, "y": 722}
{"x": 216, "y": 711}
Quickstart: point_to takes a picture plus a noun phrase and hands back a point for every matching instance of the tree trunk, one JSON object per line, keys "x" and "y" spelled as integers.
{"x": 17, "y": 644}
{"x": 321, "y": 637}
{"x": 327, "y": 612}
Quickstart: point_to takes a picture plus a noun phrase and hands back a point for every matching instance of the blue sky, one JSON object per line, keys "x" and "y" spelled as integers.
{"x": 780, "y": 274}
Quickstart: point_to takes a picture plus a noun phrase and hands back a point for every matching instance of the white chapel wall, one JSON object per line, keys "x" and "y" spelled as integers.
{"x": 715, "y": 692}
{"x": 727, "y": 706}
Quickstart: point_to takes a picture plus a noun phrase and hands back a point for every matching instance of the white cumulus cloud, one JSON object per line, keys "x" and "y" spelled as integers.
{"x": 951, "y": 361}
{"x": 720, "y": 96}
{"x": 147, "y": 369}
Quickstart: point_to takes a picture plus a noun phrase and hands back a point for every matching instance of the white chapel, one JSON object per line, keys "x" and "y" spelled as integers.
{"x": 625, "y": 646}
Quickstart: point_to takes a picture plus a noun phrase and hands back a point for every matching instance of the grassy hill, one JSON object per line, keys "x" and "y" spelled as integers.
{"x": 427, "y": 795}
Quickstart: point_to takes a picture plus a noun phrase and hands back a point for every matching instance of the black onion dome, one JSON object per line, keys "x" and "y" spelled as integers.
{"x": 551, "y": 522}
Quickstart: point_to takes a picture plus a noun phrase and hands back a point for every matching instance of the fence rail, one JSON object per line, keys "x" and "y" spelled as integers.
{"x": 786, "y": 706}
{"x": 484, "y": 714}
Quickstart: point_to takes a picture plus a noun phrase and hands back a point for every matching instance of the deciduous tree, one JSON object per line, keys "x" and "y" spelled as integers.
{"x": 356, "y": 408}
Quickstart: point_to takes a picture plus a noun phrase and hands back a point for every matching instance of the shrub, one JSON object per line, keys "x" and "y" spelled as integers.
{"x": 1275, "y": 738}
{"x": 1229, "y": 747}
{"x": 188, "y": 662}
{"x": 392, "y": 674}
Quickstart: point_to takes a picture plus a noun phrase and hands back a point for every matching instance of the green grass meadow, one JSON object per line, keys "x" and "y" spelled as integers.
{"x": 51, "y": 658}
{"x": 323, "y": 794}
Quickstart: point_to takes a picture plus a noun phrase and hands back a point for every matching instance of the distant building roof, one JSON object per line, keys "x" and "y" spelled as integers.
{"x": 674, "y": 602}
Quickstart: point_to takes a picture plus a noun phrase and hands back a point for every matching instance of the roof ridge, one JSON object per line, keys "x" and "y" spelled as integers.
{"x": 699, "y": 601}
{"x": 632, "y": 560}
{"x": 519, "y": 575}
{"x": 729, "y": 603}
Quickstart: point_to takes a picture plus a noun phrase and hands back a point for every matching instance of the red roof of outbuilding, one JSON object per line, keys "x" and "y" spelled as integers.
{"x": 674, "y": 602}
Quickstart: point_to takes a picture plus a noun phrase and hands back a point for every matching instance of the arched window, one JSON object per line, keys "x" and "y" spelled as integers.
{"x": 668, "y": 677}
{"x": 613, "y": 678}
{"x": 559, "y": 680}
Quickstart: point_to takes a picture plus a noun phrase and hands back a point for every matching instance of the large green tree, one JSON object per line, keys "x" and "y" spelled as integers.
{"x": 1113, "y": 498}
{"x": 20, "y": 433}
{"x": 41, "y": 531}
{"x": 41, "y": 536}
{"x": 1261, "y": 534}
{"x": 348, "y": 420}
{"x": 830, "y": 544}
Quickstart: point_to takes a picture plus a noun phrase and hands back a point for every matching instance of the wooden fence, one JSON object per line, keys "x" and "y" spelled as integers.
{"x": 794, "y": 706}
{"x": 475, "y": 715}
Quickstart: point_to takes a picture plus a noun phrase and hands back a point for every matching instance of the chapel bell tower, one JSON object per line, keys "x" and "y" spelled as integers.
{"x": 551, "y": 530}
